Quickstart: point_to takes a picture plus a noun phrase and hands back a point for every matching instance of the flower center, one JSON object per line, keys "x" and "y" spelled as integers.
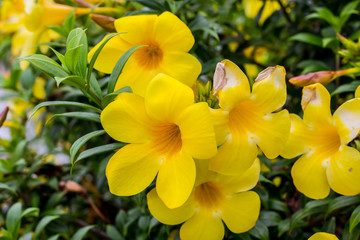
{"x": 167, "y": 138}
{"x": 244, "y": 118}
{"x": 149, "y": 57}
{"x": 209, "y": 195}
{"x": 325, "y": 140}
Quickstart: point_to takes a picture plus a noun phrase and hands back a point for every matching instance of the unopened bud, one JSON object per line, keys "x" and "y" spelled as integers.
{"x": 3, "y": 115}
{"x": 71, "y": 186}
{"x": 350, "y": 45}
{"x": 219, "y": 79}
{"x": 105, "y": 22}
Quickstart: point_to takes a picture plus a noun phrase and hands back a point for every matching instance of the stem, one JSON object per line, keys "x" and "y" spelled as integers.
{"x": 283, "y": 9}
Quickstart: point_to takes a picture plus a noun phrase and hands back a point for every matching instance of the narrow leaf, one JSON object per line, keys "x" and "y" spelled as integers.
{"x": 307, "y": 38}
{"x": 81, "y": 141}
{"x": 355, "y": 218}
{"x": 42, "y": 224}
{"x": 79, "y": 115}
{"x": 99, "y": 150}
{"x": 80, "y": 234}
{"x": 119, "y": 67}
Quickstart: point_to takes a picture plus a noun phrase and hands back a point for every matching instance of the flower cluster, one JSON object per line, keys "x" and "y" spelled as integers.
{"x": 204, "y": 160}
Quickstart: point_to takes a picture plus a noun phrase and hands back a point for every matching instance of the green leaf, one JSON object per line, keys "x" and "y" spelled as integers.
{"x": 55, "y": 237}
{"x": 95, "y": 86}
{"x": 347, "y": 11}
{"x": 270, "y": 218}
{"x": 30, "y": 212}
{"x": 46, "y": 64}
{"x": 152, "y": 5}
{"x": 13, "y": 219}
{"x": 7, "y": 187}
{"x": 260, "y": 231}
{"x": 65, "y": 104}
{"x": 77, "y": 38}
{"x": 59, "y": 56}
{"x": 96, "y": 54}
{"x": 60, "y": 30}
{"x": 355, "y": 218}
{"x": 80, "y": 234}
{"x": 119, "y": 67}
{"x": 349, "y": 87}
{"x": 277, "y": 205}
{"x": 342, "y": 201}
{"x": 81, "y": 141}
{"x": 99, "y": 150}
{"x": 72, "y": 57}
{"x": 326, "y": 15}
{"x": 79, "y": 115}
{"x": 42, "y": 224}
{"x": 69, "y": 22}
{"x": 111, "y": 96}
{"x": 74, "y": 81}
{"x": 113, "y": 233}
{"x": 307, "y": 38}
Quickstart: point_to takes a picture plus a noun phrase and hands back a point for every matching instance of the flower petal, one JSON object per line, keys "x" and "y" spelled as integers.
{"x": 138, "y": 30}
{"x": 343, "y": 172}
{"x": 131, "y": 169}
{"x": 315, "y": 103}
{"x": 236, "y": 155}
{"x": 243, "y": 181}
{"x": 172, "y": 34}
{"x": 110, "y": 54}
{"x": 180, "y": 65}
{"x": 298, "y": 138}
{"x": 273, "y": 133}
{"x": 323, "y": 236}
{"x": 202, "y": 225}
{"x": 220, "y": 120}
{"x": 197, "y": 131}
{"x": 236, "y": 88}
{"x": 165, "y": 215}
{"x": 240, "y": 211}
{"x": 309, "y": 176}
{"x": 269, "y": 89}
{"x": 176, "y": 179}
{"x": 347, "y": 118}
{"x": 135, "y": 77}
{"x": 125, "y": 119}
{"x": 166, "y": 98}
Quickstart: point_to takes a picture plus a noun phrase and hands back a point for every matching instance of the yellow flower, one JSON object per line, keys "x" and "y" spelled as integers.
{"x": 215, "y": 198}
{"x": 245, "y": 120}
{"x": 323, "y": 236}
{"x": 166, "y": 130}
{"x": 253, "y": 7}
{"x": 357, "y": 92}
{"x": 327, "y": 162}
{"x": 168, "y": 40}
{"x": 38, "y": 88}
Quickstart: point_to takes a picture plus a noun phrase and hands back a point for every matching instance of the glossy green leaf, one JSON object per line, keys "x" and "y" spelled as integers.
{"x": 99, "y": 150}
{"x": 307, "y": 38}
{"x": 119, "y": 67}
{"x": 13, "y": 219}
{"x": 342, "y": 201}
{"x": 74, "y": 81}
{"x": 80, "y": 234}
{"x": 7, "y": 187}
{"x": 69, "y": 22}
{"x": 349, "y": 87}
{"x": 113, "y": 232}
{"x": 42, "y": 224}
{"x": 260, "y": 231}
{"x": 46, "y": 64}
{"x": 78, "y": 115}
{"x": 355, "y": 218}
{"x": 81, "y": 141}
{"x": 30, "y": 212}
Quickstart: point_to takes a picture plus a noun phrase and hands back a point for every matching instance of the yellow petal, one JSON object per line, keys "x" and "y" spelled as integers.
{"x": 269, "y": 89}
{"x": 220, "y": 120}
{"x": 236, "y": 155}
{"x": 240, "y": 211}
{"x": 347, "y": 118}
{"x": 38, "y": 88}
{"x": 138, "y": 30}
{"x": 172, "y": 34}
{"x": 323, "y": 236}
{"x": 315, "y": 103}
{"x": 176, "y": 179}
{"x": 274, "y": 133}
{"x": 165, "y": 215}
{"x": 357, "y": 92}
{"x": 243, "y": 181}
{"x": 110, "y": 54}
{"x": 126, "y": 120}
{"x": 136, "y": 78}
{"x": 180, "y": 65}
{"x": 202, "y": 225}
{"x": 131, "y": 169}
{"x": 298, "y": 138}
{"x": 343, "y": 172}
{"x": 236, "y": 88}
{"x": 197, "y": 132}
{"x": 44, "y": 38}
{"x": 309, "y": 176}
{"x": 166, "y": 98}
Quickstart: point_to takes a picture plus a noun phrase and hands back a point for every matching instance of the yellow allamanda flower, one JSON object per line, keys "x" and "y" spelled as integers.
{"x": 215, "y": 198}
{"x": 357, "y": 92}
{"x": 168, "y": 40}
{"x": 252, "y": 8}
{"x": 327, "y": 162}
{"x": 166, "y": 130}
{"x": 245, "y": 119}
{"x": 323, "y": 236}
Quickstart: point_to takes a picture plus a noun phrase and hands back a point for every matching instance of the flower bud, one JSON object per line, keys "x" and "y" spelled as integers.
{"x": 3, "y": 115}
{"x": 105, "y": 22}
